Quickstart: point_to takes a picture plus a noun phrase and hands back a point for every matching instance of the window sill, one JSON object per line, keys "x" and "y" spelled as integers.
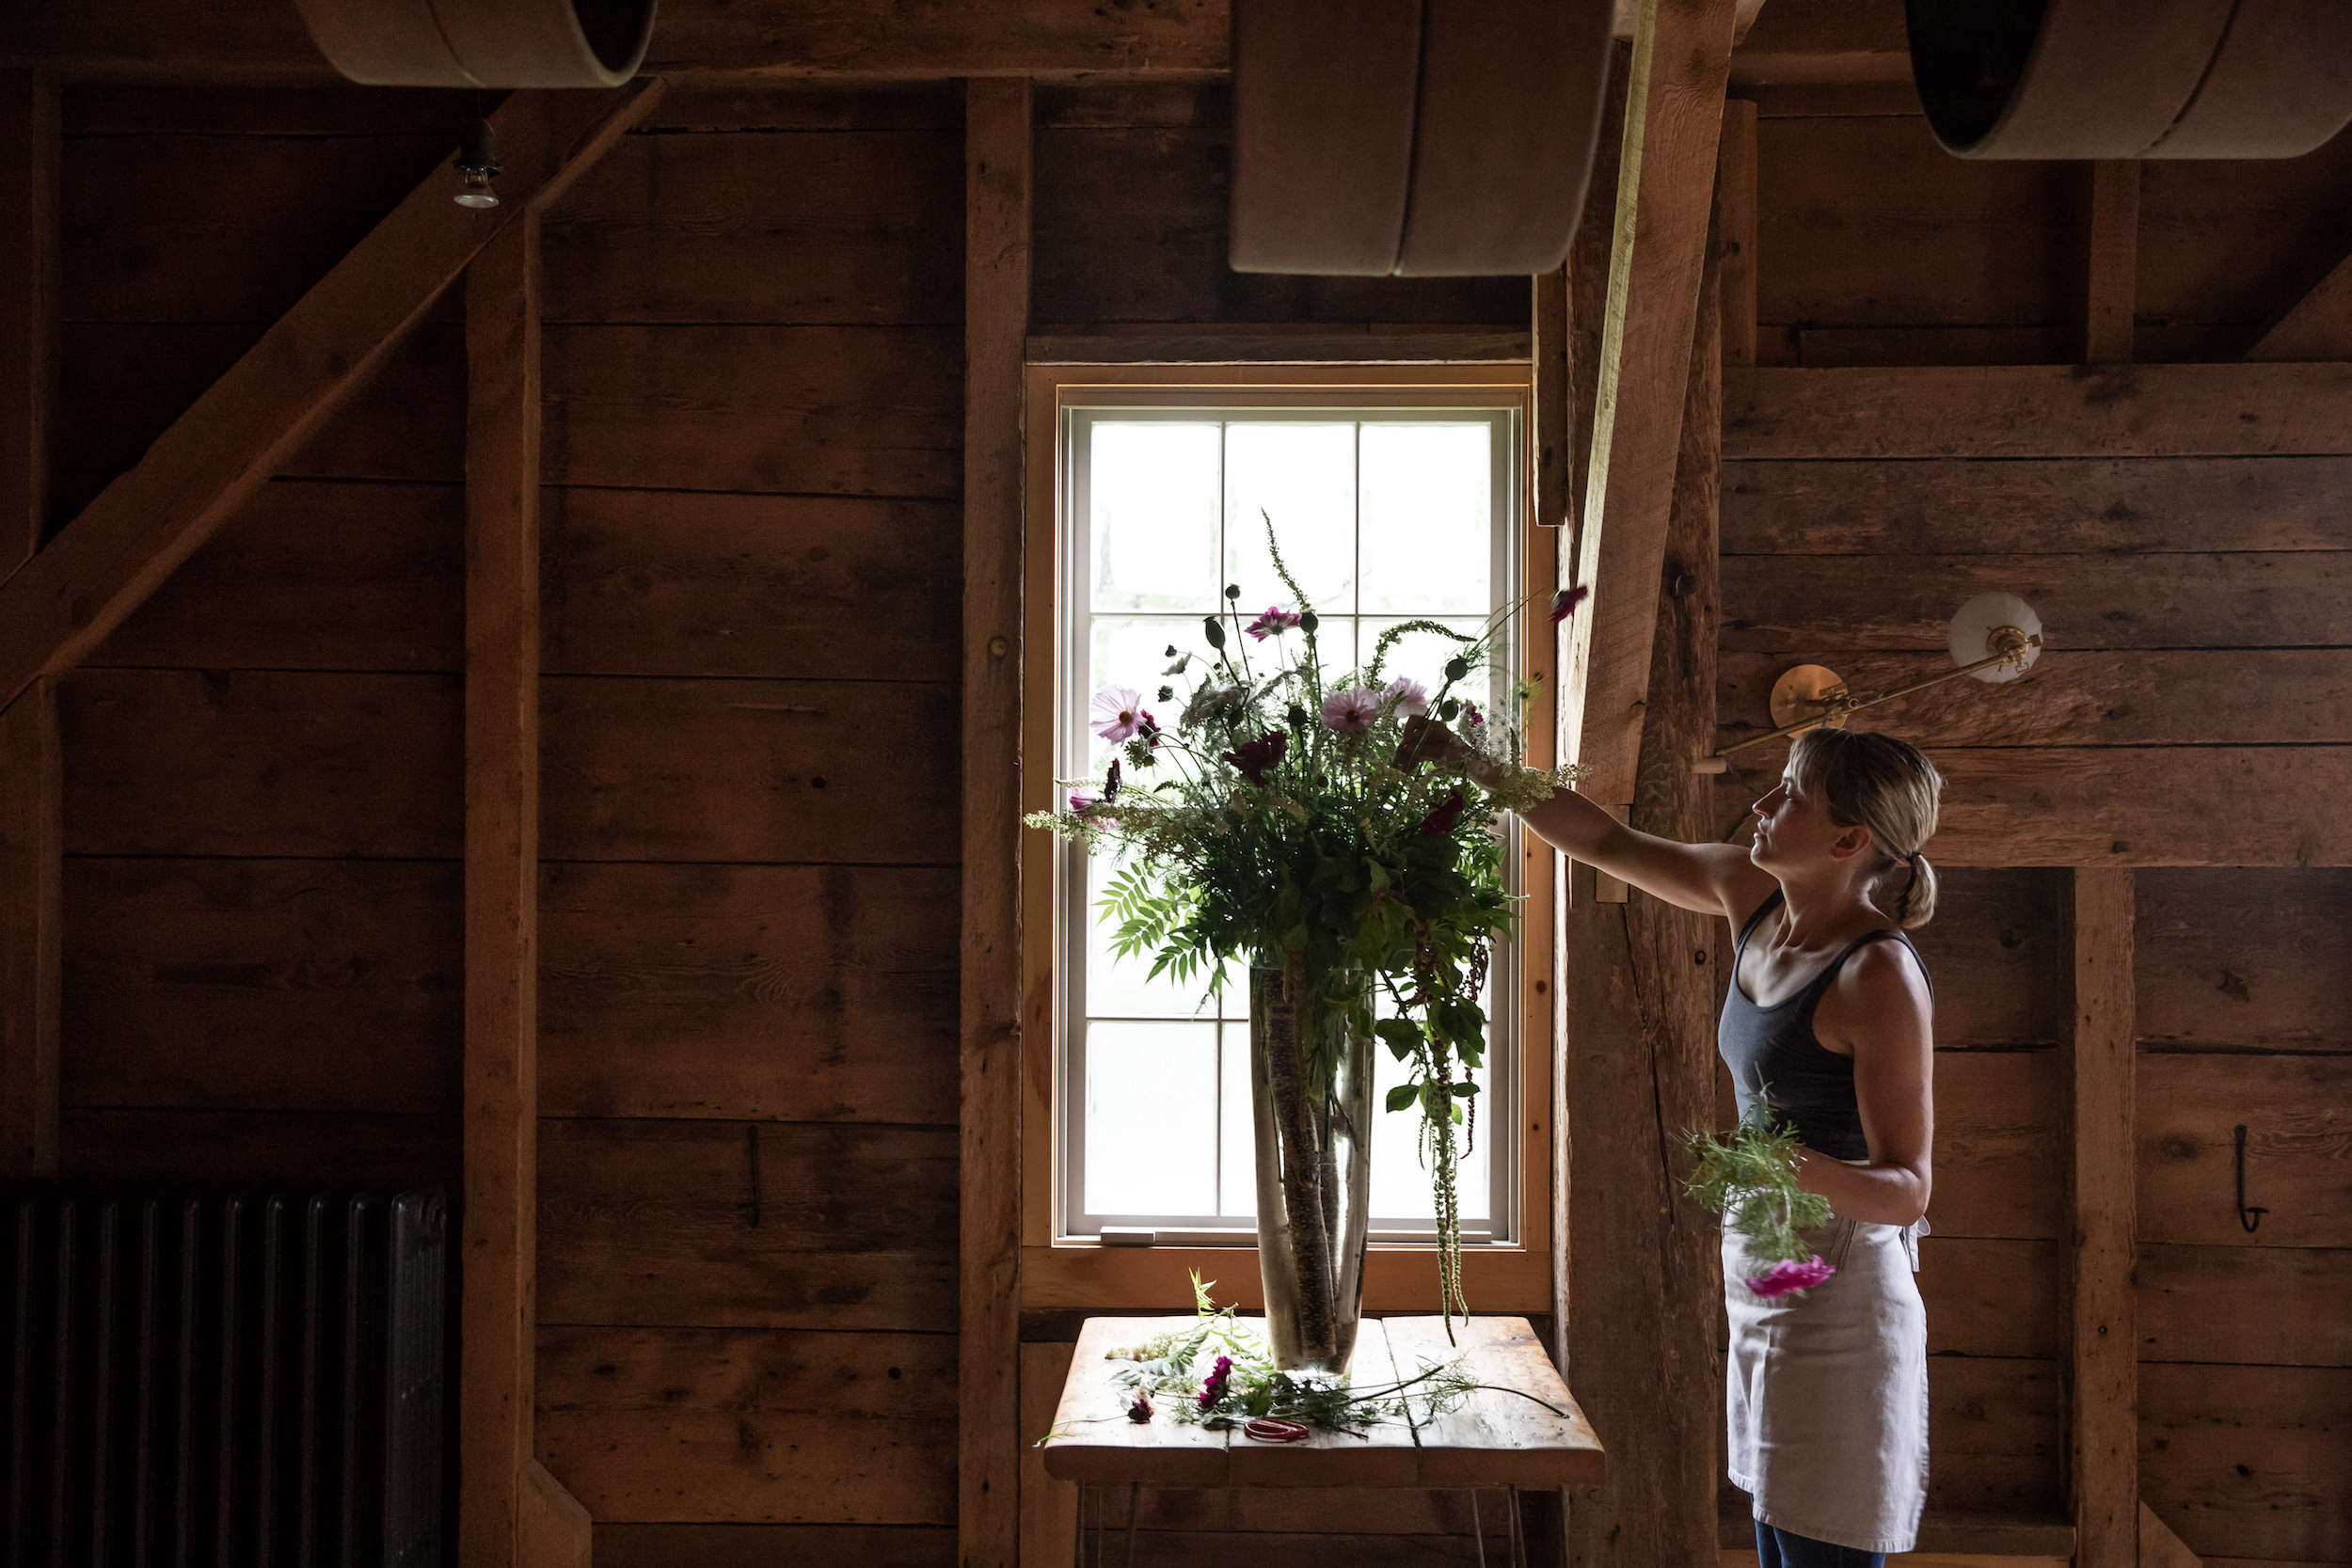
{"x": 1399, "y": 1276}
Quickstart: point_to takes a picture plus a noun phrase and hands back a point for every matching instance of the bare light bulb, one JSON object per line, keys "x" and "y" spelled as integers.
{"x": 477, "y": 160}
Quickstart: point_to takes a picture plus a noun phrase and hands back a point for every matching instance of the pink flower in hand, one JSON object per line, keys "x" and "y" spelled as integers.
{"x": 1410, "y": 697}
{"x": 1785, "y": 1279}
{"x": 1565, "y": 601}
{"x": 1117, "y": 711}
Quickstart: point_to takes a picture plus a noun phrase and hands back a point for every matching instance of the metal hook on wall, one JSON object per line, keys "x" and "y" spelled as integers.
{"x": 2251, "y": 1218}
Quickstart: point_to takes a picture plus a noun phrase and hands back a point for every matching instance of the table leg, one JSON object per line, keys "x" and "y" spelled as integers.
{"x": 1519, "y": 1533}
{"x": 1135, "y": 1508}
{"x": 1478, "y": 1529}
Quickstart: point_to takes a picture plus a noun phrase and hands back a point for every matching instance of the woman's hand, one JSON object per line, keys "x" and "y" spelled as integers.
{"x": 1427, "y": 739}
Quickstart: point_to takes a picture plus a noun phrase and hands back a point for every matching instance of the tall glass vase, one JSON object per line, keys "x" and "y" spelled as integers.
{"x": 1310, "y": 1096}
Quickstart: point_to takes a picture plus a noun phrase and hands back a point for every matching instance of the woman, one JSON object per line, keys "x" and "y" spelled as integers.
{"x": 1827, "y": 1018}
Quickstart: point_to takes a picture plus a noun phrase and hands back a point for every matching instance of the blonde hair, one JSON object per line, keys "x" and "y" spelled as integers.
{"x": 1874, "y": 780}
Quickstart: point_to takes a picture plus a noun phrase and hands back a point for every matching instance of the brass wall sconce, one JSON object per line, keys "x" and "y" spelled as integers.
{"x": 1995, "y": 637}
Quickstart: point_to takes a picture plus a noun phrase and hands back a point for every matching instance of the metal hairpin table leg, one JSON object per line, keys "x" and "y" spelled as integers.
{"x": 1519, "y": 1533}
{"x": 1478, "y": 1530}
{"x": 1135, "y": 1508}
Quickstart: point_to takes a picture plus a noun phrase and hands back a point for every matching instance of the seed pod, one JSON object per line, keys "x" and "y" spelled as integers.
{"x": 1307, "y": 622}
{"x": 1447, "y": 709}
{"x": 1298, "y": 717}
{"x": 1214, "y": 632}
{"x": 1232, "y": 589}
{"x": 1456, "y": 668}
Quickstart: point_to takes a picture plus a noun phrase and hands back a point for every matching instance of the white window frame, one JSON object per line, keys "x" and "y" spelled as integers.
{"x": 1502, "y": 1116}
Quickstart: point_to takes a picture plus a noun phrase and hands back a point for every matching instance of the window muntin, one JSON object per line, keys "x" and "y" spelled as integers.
{"x": 1386, "y": 513}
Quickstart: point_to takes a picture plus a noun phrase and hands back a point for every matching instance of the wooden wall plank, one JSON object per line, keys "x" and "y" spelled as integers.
{"x": 180, "y": 762}
{"x": 66, "y": 601}
{"x": 751, "y": 1426}
{"x": 2319, "y": 325}
{"x": 1736, "y": 228}
{"x": 497, "y": 1285}
{"x": 817, "y": 227}
{"x": 1049, "y": 1508}
{"x": 658, "y": 583}
{"x": 1867, "y": 222}
{"x": 1996, "y": 1298}
{"x": 794, "y": 993}
{"x": 2000, "y": 1128}
{"x": 212, "y": 983}
{"x": 2250, "y": 959}
{"x": 258, "y": 1147}
{"x": 2282, "y": 1306}
{"x": 749, "y": 770}
{"x": 322, "y": 576}
{"x": 31, "y": 764}
{"x": 998, "y": 150}
{"x": 1958, "y": 507}
{"x": 806, "y": 410}
{"x": 1996, "y": 1437}
{"x": 774, "y": 1545}
{"x": 2250, "y": 1460}
{"x": 2286, "y": 598}
{"x": 2230, "y": 241}
{"x": 2103, "y": 1433}
{"x": 2177, "y": 805}
{"x": 2040, "y": 411}
{"x": 2082, "y": 697}
{"x": 1999, "y": 952}
{"x": 2111, "y": 291}
{"x": 746, "y": 1224}
{"x": 2296, "y": 1111}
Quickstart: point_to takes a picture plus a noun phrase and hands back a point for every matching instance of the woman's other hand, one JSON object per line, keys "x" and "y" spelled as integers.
{"x": 1427, "y": 739}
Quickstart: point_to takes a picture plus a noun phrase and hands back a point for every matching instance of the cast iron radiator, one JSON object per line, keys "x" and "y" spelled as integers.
{"x": 221, "y": 1379}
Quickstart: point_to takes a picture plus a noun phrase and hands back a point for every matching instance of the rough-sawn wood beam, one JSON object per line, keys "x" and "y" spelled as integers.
{"x": 58, "y": 606}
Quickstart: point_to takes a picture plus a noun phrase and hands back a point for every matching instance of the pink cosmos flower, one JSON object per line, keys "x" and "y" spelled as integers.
{"x": 1274, "y": 622}
{"x": 1410, "y": 697}
{"x": 1567, "y": 600}
{"x": 1351, "y": 709}
{"x": 1784, "y": 1278}
{"x": 1117, "y": 711}
{"x": 1081, "y": 803}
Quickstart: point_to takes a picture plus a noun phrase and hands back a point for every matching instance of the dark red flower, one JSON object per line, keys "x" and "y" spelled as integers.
{"x": 1442, "y": 816}
{"x": 1111, "y": 783}
{"x": 1567, "y": 600}
{"x": 1255, "y": 759}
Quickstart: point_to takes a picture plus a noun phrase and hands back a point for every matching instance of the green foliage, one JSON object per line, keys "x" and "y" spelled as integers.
{"x": 1750, "y": 1179}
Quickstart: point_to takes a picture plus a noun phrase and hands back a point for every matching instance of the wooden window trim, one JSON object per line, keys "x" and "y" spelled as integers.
{"x": 1398, "y": 1277}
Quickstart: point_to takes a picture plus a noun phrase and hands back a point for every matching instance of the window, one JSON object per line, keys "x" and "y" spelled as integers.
{"x": 1392, "y": 503}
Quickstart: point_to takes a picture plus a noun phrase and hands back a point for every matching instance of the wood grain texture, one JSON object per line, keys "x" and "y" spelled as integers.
{"x": 767, "y": 1225}
{"x": 2233, "y": 243}
{"x": 2173, "y": 600}
{"x": 2250, "y": 1460}
{"x": 2279, "y": 1306}
{"x": 2103, "y": 1432}
{"x": 181, "y": 762}
{"x": 749, "y": 770}
{"x": 2297, "y": 1114}
{"x": 1998, "y": 1298}
{"x": 175, "y": 961}
{"x": 2245, "y": 959}
{"x": 2319, "y": 325}
{"x": 2084, "y": 697}
{"x": 1999, "y": 954}
{"x": 127, "y": 541}
{"x": 661, "y": 583}
{"x": 30, "y": 265}
{"x": 2158, "y": 1546}
{"x": 775, "y": 1545}
{"x": 999, "y": 180}
{"x": 779, "y": 227}
{"x": 1271, "y": 345}
{"x": 2000, "y": 1119}
{"x": 2184, "y": 805}
{"x": 1049, "y": 1508}
{"x": 555, "y": 1530}
{"x": 258, "y": 1147}
{"x": 1995, "y": 1429}
{"x": 1953, "y": 506}
{"x": 1674, "y": 119}
{"x": 2110, "y": 304}
{"x": 789, "y": 994}
{"x": 32, "y": 850}
{"x": 1736, "y": 228}
{"x": 750, "y": 1426}
{"x": 497, "y": 1287}
{"x": 2040, "y": 411}
{"x": 323, "y": 575}
{"x": 804, "y": 410}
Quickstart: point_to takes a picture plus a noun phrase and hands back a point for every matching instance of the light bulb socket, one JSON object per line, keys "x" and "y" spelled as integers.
{"x": 477, "y": 161}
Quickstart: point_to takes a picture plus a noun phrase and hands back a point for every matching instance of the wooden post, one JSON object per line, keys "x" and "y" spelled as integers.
{"x": 1645, "y": 1282}
{"x": 996, "y": 163}
{"x": 2112, "y": 290}
{"x": 497, "y": 1510}
{"x": 31, "y": 766}
{"x": 2106, "y": 1381}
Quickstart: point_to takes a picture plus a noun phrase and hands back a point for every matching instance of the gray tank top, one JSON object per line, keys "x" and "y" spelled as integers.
{"x": 1810, "y": 1084}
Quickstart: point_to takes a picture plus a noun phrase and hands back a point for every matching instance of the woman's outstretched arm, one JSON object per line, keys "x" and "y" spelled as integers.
{"x": 1711, "y": 878}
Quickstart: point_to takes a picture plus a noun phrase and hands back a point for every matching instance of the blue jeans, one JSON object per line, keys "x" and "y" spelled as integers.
{"x": 1780, "y": 1548}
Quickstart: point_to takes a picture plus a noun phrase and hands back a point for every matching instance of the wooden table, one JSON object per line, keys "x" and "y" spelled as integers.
{"x": 1492, "y": 1439}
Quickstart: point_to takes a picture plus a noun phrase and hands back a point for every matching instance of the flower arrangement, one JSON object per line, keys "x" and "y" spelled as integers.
{"x": 1274, "y": 821}
{"x": 1750, "y": 1179}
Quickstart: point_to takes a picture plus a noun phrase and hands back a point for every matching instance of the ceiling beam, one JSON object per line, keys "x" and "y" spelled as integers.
{"x": 1666, "y": 197}
{"x": 743, "y": 43}
{"x": 58, "y": 606}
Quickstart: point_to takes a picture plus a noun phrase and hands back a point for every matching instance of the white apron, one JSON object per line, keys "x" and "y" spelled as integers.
{"x": 1825, "y": 1395}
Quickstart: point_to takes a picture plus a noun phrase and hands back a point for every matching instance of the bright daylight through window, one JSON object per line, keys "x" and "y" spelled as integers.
{"x": 1384, "y": 514}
